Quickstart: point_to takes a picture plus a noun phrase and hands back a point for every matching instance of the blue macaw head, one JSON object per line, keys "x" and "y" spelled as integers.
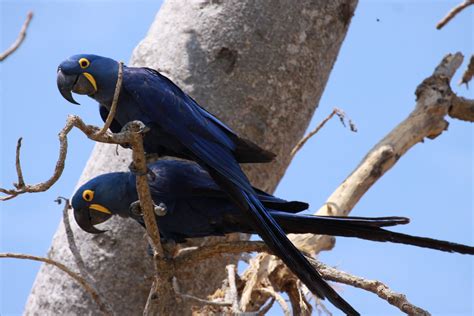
{"x": 102, "y": 197}
{"x": 92, "y": 75}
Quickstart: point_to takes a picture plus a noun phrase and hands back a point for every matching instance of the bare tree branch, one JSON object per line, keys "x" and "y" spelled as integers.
{"x": 72, "y": 121}
{"x": 83, "y": 271}
{"x": 234, "y": 298}
{"x": 151, "y": 300}
{"x": 396, "y": 299}
{"x": 435, "y": 99}
{"x": 454, "y": 11}
{"x": 462, "y": 109}
{"x": 299, "y": 303}
{"x": 335, "y": 111}
{"x": 21, "y": 181}
{"x": 321, "y": 308}
{"x": 19, "y": 39}
{"x": 87, "y": 287}
{"x": 201, "y": 301}
{"x": 193, "y": 255}
{"x": 198, "y": 300}
{"x": 41, "y": 187}
{"x": 469, "y": 73}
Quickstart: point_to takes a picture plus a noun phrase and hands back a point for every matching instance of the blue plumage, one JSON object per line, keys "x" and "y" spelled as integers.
{"x": 180, "y": 127}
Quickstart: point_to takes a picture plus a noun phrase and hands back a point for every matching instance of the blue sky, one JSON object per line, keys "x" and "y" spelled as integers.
{"x": 390, "y": 48}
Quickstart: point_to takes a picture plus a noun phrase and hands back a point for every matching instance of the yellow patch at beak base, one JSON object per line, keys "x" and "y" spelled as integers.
{"x": 100, "y": 208}
{"x": 91, "y": 80}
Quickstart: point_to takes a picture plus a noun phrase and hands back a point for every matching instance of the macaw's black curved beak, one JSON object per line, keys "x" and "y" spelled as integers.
{"x": 87, "y": 218}
{"x": 66, "y": 84}
{"x": 80, "y": 84}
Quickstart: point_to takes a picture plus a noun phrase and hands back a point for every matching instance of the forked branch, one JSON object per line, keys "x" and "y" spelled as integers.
{"x": 335, "y": 111}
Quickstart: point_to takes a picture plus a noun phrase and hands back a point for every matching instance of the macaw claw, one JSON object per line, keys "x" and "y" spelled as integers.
{"x": 159, "y": 210}
{"x": 133, "y": 169}
{"x": 135, "y": 208}
{"x": 136, "y": 127}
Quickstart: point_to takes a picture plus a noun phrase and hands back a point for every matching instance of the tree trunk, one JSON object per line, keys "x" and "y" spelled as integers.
{"x": 260, "y": 66}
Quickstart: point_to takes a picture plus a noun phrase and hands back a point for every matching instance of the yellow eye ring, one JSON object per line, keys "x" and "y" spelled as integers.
{"x": 88, "y": 195}
{"x": 84, "y": 63}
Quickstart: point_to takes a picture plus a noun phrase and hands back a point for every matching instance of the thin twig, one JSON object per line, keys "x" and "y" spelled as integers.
{"x": 320, "y": 307}
{"x": 203, "y": 301}
{"x": 85, "y": 285}
{"x": 234, "y": 298}
{"x": 193, "y": 255}
{"x": 266, "y": 308}
{"x": 454, "y": 11}
{"x": 19, "y": 39}
{"x": 270, "y": 291}
{"x": 196, "y": 299}
{"x": 72, "y": 242}
{"x": 468, "y": 74}
{"x": 21, "y": 181}
{"x": 113, "y": 108}
{"x": 335, "y": 111}
{"x": 152, "y": 296}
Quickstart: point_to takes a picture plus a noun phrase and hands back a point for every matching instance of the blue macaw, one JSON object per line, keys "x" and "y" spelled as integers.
{"x": 197, "y": 207}
{"x": 179, "y": 126}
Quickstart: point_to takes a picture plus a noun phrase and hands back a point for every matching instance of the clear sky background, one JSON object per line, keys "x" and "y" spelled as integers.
{"x": 390, "y": 48}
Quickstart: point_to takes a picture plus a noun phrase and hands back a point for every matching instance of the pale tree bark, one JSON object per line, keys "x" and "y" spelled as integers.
{"x": 261, "y": 66}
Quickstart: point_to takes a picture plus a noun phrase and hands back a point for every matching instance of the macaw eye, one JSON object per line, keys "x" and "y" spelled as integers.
{"x": 88, "y": 195}
{"x": 84, "y": 63}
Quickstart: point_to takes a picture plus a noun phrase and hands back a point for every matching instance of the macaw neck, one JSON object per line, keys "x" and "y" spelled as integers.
{"x": 106, "y": 77}
{"x": 105, "y": 96}
{"x": 116, "y": 192}
{"x": 125, "y": 195}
